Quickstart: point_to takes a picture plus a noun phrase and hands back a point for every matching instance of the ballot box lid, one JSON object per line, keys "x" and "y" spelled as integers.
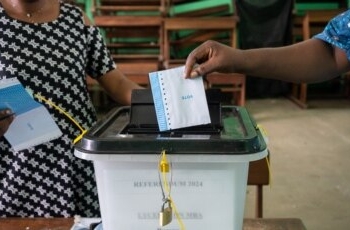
{"x": 134, "y": 130}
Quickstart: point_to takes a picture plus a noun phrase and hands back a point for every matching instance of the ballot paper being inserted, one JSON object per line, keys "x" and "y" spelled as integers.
{"x": 33, "y": 124}
{"x": 178, "y": 102}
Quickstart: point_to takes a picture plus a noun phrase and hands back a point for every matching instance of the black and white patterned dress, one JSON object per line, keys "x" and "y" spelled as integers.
{"x": 51, "y": 59}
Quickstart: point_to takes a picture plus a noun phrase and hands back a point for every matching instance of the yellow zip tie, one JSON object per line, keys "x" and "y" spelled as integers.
{"x": 177, "y": 215}
{"x": 269, "y": 170}
{"x": 165, "y": 168}
{"x": 263, "y": 131}
{"x": 83, "y": 131}
{"x": 264, "y": 134}
{"x": 78, "y": 138}
{"x": 164, "y": 164}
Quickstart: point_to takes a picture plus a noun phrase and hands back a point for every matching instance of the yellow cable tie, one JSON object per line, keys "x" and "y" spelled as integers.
{"x": 78, "y": 138}
{"x": 164, "y": 164}
{"x": 164, "y": 167}
{"x": 83, "y": 131}
{"x": 269, "y": 170}
{"x": 177, "y": 215}
{"x": 263, "y": 131}
{"x": 61, "y": 110}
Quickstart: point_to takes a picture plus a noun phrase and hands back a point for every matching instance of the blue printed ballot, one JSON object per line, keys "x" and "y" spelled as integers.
{"x": 33, "y": 124}
{"x": 178, "y": 102}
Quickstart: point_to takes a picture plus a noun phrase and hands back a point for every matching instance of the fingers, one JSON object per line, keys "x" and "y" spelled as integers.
{"x": 198, "y": 62}
{"x": 6, "y": 117}
{"x": 6, "y": 114}
{"x": 192, "y": 69}
{"x": 198, "y": 70}
{"x": 191, "y": 61}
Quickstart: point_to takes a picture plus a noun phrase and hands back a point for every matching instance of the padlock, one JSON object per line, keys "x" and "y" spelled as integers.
{"x": 166, "y": 214}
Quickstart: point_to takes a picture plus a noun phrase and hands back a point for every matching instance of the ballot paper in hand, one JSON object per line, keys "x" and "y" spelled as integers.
{"x": 179, "y": 102}
{"x": 33, "y": 124}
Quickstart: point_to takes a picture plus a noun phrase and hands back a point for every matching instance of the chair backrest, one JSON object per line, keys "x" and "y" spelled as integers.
{"x": 140, "y": 7}
{"x": 132, "y": 37}
{"x": 195, "y": 30}
{"x": 137, "y": 72}
{"x": 195, "y": 8}
{"x": 182, "y": 34}
{"x": 133, "y": 33}
{"x": 312, "y": 22}
{"x": 229, "y": 83}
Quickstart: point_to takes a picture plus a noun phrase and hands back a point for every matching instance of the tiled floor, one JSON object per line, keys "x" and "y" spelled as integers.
{"x": 310, "y": 161}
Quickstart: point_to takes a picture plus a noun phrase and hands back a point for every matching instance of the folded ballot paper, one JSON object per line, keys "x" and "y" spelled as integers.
{"x": 33, "y": 124}
{"x": 178, "y": 102}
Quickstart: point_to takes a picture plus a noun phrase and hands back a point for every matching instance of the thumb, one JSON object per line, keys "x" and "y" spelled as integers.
{"x": 201, "y": 70}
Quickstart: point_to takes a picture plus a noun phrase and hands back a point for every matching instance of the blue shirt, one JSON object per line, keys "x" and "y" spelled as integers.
{"x": 337, "y": 32}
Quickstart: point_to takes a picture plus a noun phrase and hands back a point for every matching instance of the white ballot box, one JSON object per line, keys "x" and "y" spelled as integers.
{"x": 208, "y": 168}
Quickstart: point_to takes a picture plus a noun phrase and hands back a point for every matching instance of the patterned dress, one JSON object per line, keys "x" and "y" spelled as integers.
{"x": 337, "y": 32}
{"x": 51, "y": 59}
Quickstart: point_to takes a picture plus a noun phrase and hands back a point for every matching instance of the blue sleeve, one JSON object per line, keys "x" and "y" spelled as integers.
{"x": 337, "y": 32}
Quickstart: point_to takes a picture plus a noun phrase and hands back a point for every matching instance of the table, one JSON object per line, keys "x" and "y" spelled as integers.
{"x": 273, "y": 224}
{"x": 67, "y": 223}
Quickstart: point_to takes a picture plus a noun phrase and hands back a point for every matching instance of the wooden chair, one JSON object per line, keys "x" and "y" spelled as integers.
{"x": 305, "y": 26}
{"x": 129, "y": 37}
{"x": 138, "y": 72}
{"x": 229, "y": 83}
{"x": 113, "y": 7}
{"x": 258, "y": 175}
{"x": 222, "y": 9}
{"x": 222, "y": 29}
{"x": 134, "y": 34}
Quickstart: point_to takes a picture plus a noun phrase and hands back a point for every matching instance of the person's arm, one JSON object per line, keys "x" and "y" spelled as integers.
{"x": 308, "y": 61}
{"x": 115, "y": 83}
{"x": 118, "y": 86}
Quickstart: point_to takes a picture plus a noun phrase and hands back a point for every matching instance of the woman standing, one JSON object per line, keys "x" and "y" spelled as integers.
{"x": 50, "y": 47}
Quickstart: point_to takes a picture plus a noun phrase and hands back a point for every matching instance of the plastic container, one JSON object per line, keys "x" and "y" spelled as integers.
{"x": 209, "y": 170}
{"x": 209, "y": 191}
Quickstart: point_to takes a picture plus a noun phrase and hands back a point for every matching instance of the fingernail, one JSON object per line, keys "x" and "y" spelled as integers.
{"x": 194, "y": 74}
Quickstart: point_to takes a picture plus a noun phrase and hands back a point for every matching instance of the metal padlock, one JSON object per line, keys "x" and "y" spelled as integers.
{"x": 166, "y": 214}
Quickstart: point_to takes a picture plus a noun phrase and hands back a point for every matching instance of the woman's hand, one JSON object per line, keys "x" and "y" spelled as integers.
{"x": 210, "y": 57}
{"x": 6, "y": 118}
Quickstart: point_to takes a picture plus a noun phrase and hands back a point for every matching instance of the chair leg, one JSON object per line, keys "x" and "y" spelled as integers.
{"x": 259, "y": 201}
